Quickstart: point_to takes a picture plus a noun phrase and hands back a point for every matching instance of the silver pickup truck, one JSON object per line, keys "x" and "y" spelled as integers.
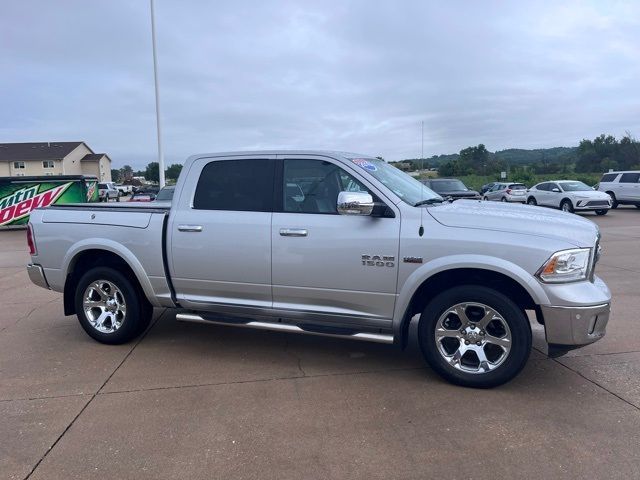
{"x": 333, "y": 244}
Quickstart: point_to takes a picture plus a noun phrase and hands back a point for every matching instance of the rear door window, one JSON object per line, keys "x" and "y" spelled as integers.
{"x": 544, "y": 187}
{"x": 236, "y": 185}
{"x": 629, "y": 178}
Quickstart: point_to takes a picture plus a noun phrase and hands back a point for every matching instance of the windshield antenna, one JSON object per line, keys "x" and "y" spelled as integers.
{"x": 421, "y": 229}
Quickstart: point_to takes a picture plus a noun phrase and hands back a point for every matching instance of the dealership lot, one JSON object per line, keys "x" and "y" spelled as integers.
{"x": 198, "y": 401}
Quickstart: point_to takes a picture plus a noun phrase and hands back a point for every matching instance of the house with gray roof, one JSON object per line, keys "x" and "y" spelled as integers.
{"x": 53, "y": 158}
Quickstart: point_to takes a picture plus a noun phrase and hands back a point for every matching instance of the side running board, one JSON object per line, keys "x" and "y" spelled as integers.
{"x": 321, "y": 331}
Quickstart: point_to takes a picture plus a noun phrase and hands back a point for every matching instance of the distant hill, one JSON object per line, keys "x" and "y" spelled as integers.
{"x": 519, "y": 156}
{"x": 512, "y": 156}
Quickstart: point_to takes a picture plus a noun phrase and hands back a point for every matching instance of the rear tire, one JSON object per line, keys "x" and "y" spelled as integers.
{"x": 566, "y": 206}
{"x": 614, "y": 202}
{"x": 110, "y": 308}
{"x": 531, "y": 201}
{"x": 495, "y": 328}
{"x": 601, "y": 212}
{"x": 503, "y": 199}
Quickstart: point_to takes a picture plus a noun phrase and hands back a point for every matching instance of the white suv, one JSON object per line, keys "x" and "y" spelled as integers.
{"x": 569, "y": 196}
{"x": 622, "y": 187}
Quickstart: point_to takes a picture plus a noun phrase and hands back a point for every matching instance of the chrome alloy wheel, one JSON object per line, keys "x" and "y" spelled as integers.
{"x": 473, "y": 338}
{"x": 104, "y": 306}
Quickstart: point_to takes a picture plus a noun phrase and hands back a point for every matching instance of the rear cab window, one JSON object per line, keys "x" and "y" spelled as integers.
{"x": 236, "y": 185}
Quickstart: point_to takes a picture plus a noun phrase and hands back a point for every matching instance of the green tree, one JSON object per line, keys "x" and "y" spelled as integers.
{"x": 446, "y": 170}
{"x": 152, "y": 172}
{"x": 115, "y": 175}
{"x": 126, "y": 173}
{"x": 173, "y": 172}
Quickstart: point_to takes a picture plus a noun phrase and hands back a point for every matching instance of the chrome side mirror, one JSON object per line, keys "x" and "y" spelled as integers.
{"x": 355, "y": 203}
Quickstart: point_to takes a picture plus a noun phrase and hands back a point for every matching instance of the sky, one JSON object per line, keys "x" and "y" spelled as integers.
{"x": 340, "y": 75}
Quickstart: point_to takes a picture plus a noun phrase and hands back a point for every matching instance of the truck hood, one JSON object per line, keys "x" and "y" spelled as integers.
{"x": 523, "y": 219}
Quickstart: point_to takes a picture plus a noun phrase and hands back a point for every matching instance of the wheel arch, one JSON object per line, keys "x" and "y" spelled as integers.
{"x": 83, "y": 257}
{"x": 504, "y": 276}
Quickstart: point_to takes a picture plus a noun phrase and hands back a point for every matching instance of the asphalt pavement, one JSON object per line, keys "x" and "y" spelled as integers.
{"x": 196, "y": 401}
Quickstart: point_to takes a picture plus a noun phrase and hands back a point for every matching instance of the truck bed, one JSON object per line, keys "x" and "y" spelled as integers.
{"x": 135, "y": 232}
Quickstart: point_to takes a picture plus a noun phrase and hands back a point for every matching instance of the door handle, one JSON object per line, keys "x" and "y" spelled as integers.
{"x": 293, "y": 232}
{"x": 190, "y": 228}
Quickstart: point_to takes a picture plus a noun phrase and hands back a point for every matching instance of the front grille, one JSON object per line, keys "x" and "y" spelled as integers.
{"x": 598, "y": 203}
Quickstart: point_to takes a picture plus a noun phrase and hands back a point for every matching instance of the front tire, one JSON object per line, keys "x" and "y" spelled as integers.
{"x": 474, "y": 336}
{"x": 503, "y": 199}
{"x": 566, "y": 206}
{"x": 110, "y": 308}
{"x": 601, "y": 212}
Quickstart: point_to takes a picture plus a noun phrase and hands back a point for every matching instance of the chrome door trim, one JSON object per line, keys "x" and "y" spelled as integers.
{"x": 293, "y": 232}
{"x": 190, "y": 228}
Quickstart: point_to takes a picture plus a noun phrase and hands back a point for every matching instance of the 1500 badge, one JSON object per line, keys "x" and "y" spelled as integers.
{"x": 378, "y": 260}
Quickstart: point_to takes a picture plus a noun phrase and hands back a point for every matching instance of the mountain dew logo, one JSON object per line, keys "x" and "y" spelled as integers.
{"x": 20, "y": 203}
{"x": 91, "y": 190}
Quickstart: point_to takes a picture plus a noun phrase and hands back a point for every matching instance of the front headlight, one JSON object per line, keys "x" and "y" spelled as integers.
{"x": 566, "y": 266}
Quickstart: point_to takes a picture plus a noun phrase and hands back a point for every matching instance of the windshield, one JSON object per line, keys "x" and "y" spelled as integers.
{"x": 165, "y": 194}
{"x": 406, "y": 187}
{"x": 575, "y": 187}
{"x": 448, "y": 186}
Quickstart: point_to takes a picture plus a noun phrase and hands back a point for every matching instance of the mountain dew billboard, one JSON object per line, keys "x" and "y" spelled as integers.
{"x": 20, "y": 195}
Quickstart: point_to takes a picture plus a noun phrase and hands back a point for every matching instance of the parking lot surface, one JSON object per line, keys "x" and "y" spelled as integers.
{"x": 196, "y": 401}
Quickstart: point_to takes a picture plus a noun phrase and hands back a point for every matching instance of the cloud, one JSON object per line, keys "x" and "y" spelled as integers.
{"x": 356, "y": 76}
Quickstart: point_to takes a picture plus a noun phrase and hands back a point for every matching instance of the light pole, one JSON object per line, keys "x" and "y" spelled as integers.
{"x": 155, "y": 78}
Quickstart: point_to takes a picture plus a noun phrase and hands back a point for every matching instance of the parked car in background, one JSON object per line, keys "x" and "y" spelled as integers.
{"x": 451, "y": 188}
{"x": 124, "y": 189}
{"x": 165, "y": 195}
{"x": 622, "y": 187}
{"x": 507, "y": 192}
{"x": 381, "y": 249}
{"x": 570, "y": 196}
{"x": 142, "y": 197}
{"x": 486, "y": 187}
{"x": 108, "y": 191}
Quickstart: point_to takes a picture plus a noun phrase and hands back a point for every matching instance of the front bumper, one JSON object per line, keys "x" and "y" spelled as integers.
{"x": 590, "y": 209}
{"x": 36, "y": 275}
{"x": 573, "y": 324}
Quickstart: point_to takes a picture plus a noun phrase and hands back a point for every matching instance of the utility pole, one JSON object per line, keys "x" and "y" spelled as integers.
{"x": 155, "y": 78}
